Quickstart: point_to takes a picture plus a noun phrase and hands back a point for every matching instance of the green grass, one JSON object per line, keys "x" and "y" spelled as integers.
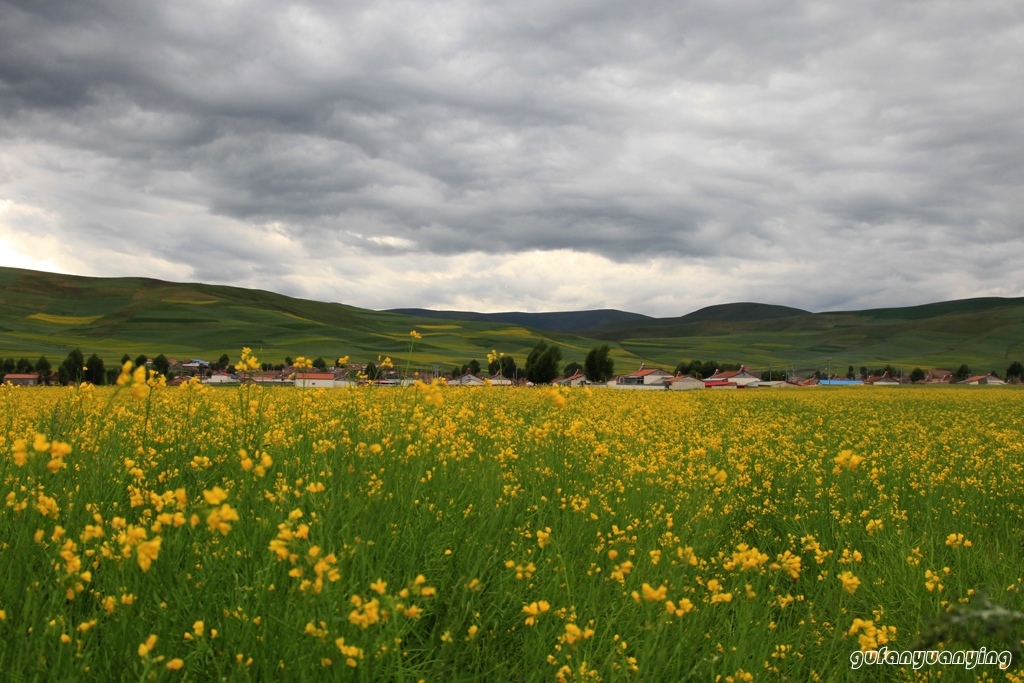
{"x": 392, "y": 488}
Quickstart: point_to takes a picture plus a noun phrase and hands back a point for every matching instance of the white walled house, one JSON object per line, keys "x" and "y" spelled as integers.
{"x": 980, "y": 380}
{"x": 741, "y": 377}
{"x": 578, "y": 379}
{"x": 684, "y": 383}
{"x": 311, "y": 380}
{"x": 220, "y": 378}
{"x": 644, "y": 378}
{"x": 466, "y": 380}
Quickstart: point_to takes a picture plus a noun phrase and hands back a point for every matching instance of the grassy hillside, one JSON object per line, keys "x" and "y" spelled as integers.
{"x": 45, "y": 313}
{"x": 987, "y": 334}
{"x": 567, "y": 321}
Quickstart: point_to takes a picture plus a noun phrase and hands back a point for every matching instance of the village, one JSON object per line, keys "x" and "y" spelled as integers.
{"x": 643, "y": 378}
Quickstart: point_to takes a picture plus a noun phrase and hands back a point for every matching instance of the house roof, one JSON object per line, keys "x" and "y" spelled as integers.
{"x": 314, "y": 375}
{"x": 730, "y": 373}
{"x": 645, "y": 371}
{"x": 975, "y": 378}
{"x": 679, "y": 378}
{"x": 21, "y": 375}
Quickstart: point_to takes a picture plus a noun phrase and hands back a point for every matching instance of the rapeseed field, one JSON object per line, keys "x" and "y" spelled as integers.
{"x": 506, "y": 534}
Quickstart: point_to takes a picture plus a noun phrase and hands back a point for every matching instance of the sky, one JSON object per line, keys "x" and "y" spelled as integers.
{"x": 532, "y": 155}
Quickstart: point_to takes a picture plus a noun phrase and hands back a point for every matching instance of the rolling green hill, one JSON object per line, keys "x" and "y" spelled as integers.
{"x": 567, "y": 321}
{"x": 50, "y": 314}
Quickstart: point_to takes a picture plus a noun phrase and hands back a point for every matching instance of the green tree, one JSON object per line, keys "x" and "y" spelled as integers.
{"x": 598, "y": 365}
{"x": 95, "y": 373}
{"x": 141, "y": 361}
{"x": 9, "y": 365}
{"x": 509, "y": 369}
{"x": 24, "y": 365}
{"x": 319, "y": 363}
{"x": 916, "y": 375}
{"x": 571, "y": 369}
{"x": 962, "y": 373}
{"x": 863, "y": 372}
{"x": 162, "y": 365}
{"x": 371, "y": 371}
{"x": 506, "y": 365}
{"x": 542, "y": 363}
{"x": 44, "y": 369}
{"x": 474, "y": 366}
{"x": 125, "y": 359}
{"x": 71, "y": 370}
{"x": 1015, "y": 371}
{"x": 223, "y": 363}
{"x": 849, "y": 373}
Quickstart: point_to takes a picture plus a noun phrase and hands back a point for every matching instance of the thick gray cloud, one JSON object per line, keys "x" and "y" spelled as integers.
{"x": 655, "y": 156}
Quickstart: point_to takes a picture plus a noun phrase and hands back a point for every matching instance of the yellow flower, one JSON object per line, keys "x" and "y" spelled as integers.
{"x": 147, "y": 551}
{"x": 573, "y": 634}
{"x": 850, "y": 582}
{"x": 653, "y": 594}
{"x": 175, "y": 664}
{"x": 215, "y": 496}
{"x": 534, "y": 610}
{"x": 680, "y": 609}
{"x": 957, "y": 541}
{"x": 147, "y": 647}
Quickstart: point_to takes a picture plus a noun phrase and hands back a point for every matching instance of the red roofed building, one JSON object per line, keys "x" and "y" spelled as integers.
{"x": 644, "y": 377}
{"x": 741, "y": 377}
{"x": 975, "y": 381}
{"x": 576, "y": 380}
{"x": 684, "y": 383}
{"x": 27, "y": 379}
{"x": 884, "y": 380}
{"x": 310, "y": 380}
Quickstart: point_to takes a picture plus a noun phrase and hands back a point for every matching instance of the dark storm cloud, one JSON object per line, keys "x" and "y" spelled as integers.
{"x": 245, "y": 137}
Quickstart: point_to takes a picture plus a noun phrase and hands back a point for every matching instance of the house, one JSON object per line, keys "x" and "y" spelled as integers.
{"x": 976, "y": 380}
{"x": 578, "y": 379}
{"x": 882, "y": 381}
{"x": 499, "y": 380}
{"x": 684, "y": 383}
{"x": 837, "y": 382}
{"x": 26, "y": 379}
{"x": 644, "y": 378}
{"x": 220, "y": 378}
{"x": 719, "y": 384}
{"x": 466, "y": 380}
{"x": 310, "y": 380}
{"x": 938, "y": 376}
{"x": 274, "y": 378}
{"x": 741, "y": 377}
